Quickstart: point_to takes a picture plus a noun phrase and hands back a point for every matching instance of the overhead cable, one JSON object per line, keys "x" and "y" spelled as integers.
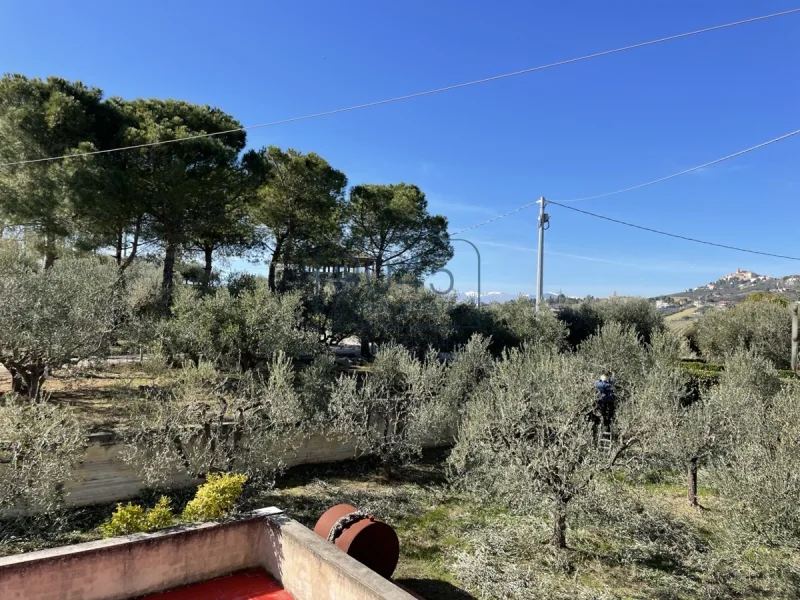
{"x": 673, "y": 235}
{"x": 635, "y": 187}
{"x": 410, "y": 96}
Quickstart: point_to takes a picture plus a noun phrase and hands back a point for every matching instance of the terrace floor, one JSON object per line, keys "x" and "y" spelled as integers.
{"x": 255, "y": 584}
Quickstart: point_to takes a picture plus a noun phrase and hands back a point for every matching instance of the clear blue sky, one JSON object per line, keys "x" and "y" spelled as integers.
{"x": 573, "y": 131}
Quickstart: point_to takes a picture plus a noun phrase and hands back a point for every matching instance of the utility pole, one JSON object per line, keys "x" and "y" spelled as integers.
{"x": 544, "y": 219}
{"x": 795, "y": 334}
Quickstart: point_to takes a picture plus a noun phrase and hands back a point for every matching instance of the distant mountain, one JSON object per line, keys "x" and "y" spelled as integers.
{"x": 490, "y": 297}
{"x": 735, "y": 287}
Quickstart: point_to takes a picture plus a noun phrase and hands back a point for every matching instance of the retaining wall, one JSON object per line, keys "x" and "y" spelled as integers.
{"x": 104, "y": 477}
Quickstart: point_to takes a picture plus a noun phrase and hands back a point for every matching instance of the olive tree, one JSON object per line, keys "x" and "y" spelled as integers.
{"x": 758, "y": 474}
{"x": 529, "y": 431}
{"x": 468, "y": 369}
{"x": 40, "y": 446}
{"x": 395, "y": 409}
{"x": 517, "y": 321}
{"x": 206, "y": 422}
{"x": 52, "y": 316}
{"x": 526, "y": 433}
{"x": 243, "y": 331}
{"x": 760, "y": 478}
{"x": 764, "y": 327}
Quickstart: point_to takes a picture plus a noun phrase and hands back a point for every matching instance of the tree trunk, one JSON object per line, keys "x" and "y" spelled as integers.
{"x": 18, "y": 385}
{"x": 134, "y": 245}
{"x": 273, "y": 263}
{"x": 118, "y": 249}
{"x": 27, "y": 381}
{"x": 168, "y": 274}
{"x": 387, "y": 468}
{"x": 691, "y": 483}
{"x": 49, "y": 258}
{"x": 559, "y": 539}
{"x": 49, "y": 250}
{"x": 208, "y": 252}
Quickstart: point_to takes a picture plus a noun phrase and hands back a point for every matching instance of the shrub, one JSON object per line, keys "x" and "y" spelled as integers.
{"x": 584, "y": 320}
{"x": 216, "y": 497}
{"x": 132, "y": 518}
{"x": 516, "y": 322}
{"x": 396, "y": 408}
{"x": 206, "y": 423}
{"x": 41, "y": 444}
{"x": 128, "y": 518}
{"x": 244, "y": 331}
{"x": 764, "y": 327}
{"x": 638, "y": 313}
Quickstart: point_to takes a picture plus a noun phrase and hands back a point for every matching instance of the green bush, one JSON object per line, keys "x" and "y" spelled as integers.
{"x": 243, "y": 331}
{"x": 216, "y": 497}
{"x": 132, "y": 518}
{"x": 763, "y": 327}
{"x": 516, "y": 322}
{"x": 584, "y": 320}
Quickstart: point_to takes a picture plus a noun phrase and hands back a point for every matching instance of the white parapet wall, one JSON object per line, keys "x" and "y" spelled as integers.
{"x": 123, "y": 568}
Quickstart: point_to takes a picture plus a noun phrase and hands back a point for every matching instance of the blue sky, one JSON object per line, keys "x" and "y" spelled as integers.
{"x": 572, "y": 131}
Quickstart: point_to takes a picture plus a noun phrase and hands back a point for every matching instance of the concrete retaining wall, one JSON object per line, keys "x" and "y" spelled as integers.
{"x": 104, "y": 477}
{"x": 128, "y": 567}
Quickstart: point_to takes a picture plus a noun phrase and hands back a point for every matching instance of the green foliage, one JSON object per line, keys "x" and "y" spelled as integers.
{"x": 216, "y": 498}
{"x": 582, "y": 321}
{"x": 49, "y": 317}
{"x": 132, "y": 518}
{"x": 41, "y": 444}
{"x": 45, "y": 118}
{"x": 764, "y": 327}
{"x": 299, "y": 205}
{"x": 767, "y": 297}
{"x": 391, "y": 225}
{"x": 758, "y": 477}
{"x": 128, "y": 518}
{"x": 638, "y": 313}
{"x": 381, "y": 311}
{"x": 160, "y": 516}
{"x": 206, "y": 422}
{"x": 586, "y": 318}
{"x": 244, "y": 331}
{"x": 515, "y": 322}
{"x": 396, "y": 409}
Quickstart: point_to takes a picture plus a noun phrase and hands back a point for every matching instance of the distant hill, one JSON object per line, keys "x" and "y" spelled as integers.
{"x": 735, "y": 287}
{"x": 490, "y": 297}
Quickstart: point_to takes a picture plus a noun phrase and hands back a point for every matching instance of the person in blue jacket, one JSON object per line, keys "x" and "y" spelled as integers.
{"x": 606, "y": 399}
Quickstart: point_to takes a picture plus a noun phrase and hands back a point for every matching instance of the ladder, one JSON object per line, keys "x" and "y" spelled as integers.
{"x": 606, "y": 437}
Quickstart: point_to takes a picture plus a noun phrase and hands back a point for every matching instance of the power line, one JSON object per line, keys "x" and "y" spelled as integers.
{"x": 636, "y": 187}
{"x": 673, "y": 235}
{"x": 414, "y": 95}
{"x": 697, "y": 168}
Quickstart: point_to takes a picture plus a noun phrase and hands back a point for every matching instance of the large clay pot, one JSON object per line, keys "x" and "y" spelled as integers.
{"x": 372, "y": 543}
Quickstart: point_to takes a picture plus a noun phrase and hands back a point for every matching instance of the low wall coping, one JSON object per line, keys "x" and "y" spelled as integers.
{"x": 75, "y": 550}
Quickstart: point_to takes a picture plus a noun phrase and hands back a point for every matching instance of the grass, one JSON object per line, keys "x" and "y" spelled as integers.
{"x": 683, "y": 314}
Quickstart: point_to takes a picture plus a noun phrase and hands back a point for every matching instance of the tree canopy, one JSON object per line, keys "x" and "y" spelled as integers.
{"x": 391, "y": 225}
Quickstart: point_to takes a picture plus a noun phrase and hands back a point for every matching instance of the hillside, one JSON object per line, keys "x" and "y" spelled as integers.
{"x": 735, "y": 287}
